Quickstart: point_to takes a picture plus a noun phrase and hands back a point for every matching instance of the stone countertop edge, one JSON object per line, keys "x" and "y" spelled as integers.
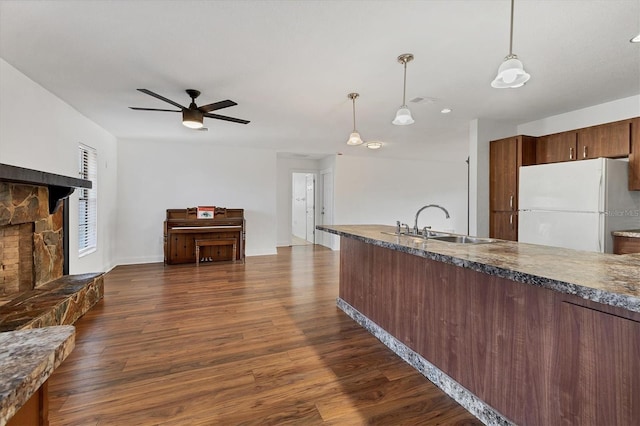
{"x": 631, "y": 233}
{"x": 27, "y": 359}
{"x": 604, "y": 278}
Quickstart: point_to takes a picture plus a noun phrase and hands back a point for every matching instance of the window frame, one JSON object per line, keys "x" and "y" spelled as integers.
{"x": 87, "y": 201}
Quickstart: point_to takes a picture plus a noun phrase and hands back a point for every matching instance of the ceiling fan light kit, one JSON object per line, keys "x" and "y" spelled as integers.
{"x": 511, "y": 73}
{"x": 403, "y": 116}
{"x": 354, "y": 137}
{"x": 193, "y": 116}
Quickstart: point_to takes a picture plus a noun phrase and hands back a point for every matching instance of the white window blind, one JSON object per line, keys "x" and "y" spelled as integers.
{"x": 88, "y": 201}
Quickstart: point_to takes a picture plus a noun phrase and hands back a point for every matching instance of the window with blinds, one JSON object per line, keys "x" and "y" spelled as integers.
{"x": 88, "y": 201}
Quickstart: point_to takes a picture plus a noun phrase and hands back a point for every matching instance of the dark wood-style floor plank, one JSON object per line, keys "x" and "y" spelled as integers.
{"x": 223, "y": 344}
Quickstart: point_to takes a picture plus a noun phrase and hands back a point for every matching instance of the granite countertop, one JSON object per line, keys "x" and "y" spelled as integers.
{"x": 27, "y": 359}
{"x": 631, "y": 233}
{"x": 605, "y": 278}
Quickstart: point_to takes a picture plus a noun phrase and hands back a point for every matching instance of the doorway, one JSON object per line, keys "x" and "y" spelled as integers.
{"x": 303, "y": 209}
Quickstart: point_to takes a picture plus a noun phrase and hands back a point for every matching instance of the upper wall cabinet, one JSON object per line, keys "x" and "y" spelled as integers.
{"x": 557, "y": 147}
{"x": 607, "y": 140}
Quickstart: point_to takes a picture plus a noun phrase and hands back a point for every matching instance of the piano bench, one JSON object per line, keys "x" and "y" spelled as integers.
{"x": 216, "y": 242}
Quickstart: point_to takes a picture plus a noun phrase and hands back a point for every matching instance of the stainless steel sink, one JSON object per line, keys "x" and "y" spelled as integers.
{"x": 463, "y": 239}
{"x": 431, "y": 235}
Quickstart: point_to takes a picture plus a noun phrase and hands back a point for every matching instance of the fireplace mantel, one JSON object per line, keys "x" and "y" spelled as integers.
{"x": 60, "y": 187}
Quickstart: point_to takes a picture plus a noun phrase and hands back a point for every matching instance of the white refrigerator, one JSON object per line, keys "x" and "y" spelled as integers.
{"x": 576, "y": 204}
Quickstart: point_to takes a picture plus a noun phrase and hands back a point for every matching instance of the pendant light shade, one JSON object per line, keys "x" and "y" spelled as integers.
{"x": 354, "y": 137}
{"x": 511, "y": 73}
{"x": 403, "y": 116}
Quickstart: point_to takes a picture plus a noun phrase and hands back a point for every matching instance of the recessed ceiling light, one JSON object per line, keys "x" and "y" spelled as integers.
{"x": 636, "y": 39}
{"x": 445, "y": 110}
{"x": 374, "y": 145}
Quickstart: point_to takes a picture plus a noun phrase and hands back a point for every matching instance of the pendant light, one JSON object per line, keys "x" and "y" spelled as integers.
{"x": 354, "y": 137}
{"x": 511, "y": 73}
{"x": 403, "y": 116}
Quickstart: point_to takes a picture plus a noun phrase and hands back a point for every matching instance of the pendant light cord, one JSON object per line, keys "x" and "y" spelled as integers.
{"x": 354, "y": 113}
{"x": 511, "y": 32}
{"x": 404, "y": 90}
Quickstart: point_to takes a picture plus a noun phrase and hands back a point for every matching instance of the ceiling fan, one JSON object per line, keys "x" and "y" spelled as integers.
{"x": 192, "y": 117}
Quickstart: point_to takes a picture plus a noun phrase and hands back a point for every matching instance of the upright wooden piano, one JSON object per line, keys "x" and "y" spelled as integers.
{"x": 182, "y": 229}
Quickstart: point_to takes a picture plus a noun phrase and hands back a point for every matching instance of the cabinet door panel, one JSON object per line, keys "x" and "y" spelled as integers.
{"x": 607, "y": 140}
{"x": 503, "y": 174}
{"x": 596, "y": 362}
{"x": 634, "y": 157}
{"x": 503, "y": 225}
{"x": 557, "y": 147}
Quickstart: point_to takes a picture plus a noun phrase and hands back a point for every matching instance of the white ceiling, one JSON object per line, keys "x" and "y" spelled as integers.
{"x": 290, "y": 65}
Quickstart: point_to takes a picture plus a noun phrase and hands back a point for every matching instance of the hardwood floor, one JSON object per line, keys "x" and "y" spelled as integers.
{"x": 225, "y": 344}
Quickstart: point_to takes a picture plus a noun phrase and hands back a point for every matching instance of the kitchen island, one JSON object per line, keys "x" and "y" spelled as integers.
{"x": 516, "y": 333}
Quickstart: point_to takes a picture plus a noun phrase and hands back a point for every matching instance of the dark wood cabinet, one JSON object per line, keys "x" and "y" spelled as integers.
{"x": 505, "y": 158}
{"x": 590, "y": 391}
{"x": 503, "y": 187}
{"x": 625, "y": 245}
{"x": 504, "y": 225}
{"x": 634, "y": 156}
{"x": 557, "y": 147}
{"x": 609, "y": 140}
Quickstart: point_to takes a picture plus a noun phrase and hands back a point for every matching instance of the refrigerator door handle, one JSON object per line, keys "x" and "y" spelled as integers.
{"x": 511, "y": 201}
{"x": 600, "y": 236}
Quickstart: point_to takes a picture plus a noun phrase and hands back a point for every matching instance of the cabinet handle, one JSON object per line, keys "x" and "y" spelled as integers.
{"x": 511, "y": 220}
{"x": 570, "y": 153}
{"x": 584, "y": 151}
{"x": 511, "y": 201}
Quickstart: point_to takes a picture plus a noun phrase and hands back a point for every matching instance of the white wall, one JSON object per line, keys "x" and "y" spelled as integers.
{"x": 371, "y": 190}
{"x": 47, "y": 140}
{"x": 620, "y": 109}
{"x": 154, "y": 176}
{"x": 481, "y": 132}
{"x": 285, "y": 167}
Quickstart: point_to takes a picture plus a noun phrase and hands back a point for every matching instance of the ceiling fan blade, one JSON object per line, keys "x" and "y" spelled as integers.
{"x": 162, "y": 98}
{"x": 222, "y": 117}
{"x": 217, "y": 105}
{"x": 155, "y": 109}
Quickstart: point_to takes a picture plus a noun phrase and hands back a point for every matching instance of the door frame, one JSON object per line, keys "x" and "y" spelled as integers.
{"x": 315, "y": 201}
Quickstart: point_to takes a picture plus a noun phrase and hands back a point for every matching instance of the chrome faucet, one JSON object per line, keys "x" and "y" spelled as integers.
{"x": 415, "y": 225}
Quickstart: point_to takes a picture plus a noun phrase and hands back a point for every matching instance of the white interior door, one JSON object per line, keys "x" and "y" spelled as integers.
{"x": 299, "y": 206}
{"x": 310, "y": 207}
{"x": 326, "y": 212}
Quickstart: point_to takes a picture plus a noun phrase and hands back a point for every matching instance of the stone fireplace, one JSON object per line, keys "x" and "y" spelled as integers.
{"x": 34, "y": 290}
{"x": 31, "y": 252}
